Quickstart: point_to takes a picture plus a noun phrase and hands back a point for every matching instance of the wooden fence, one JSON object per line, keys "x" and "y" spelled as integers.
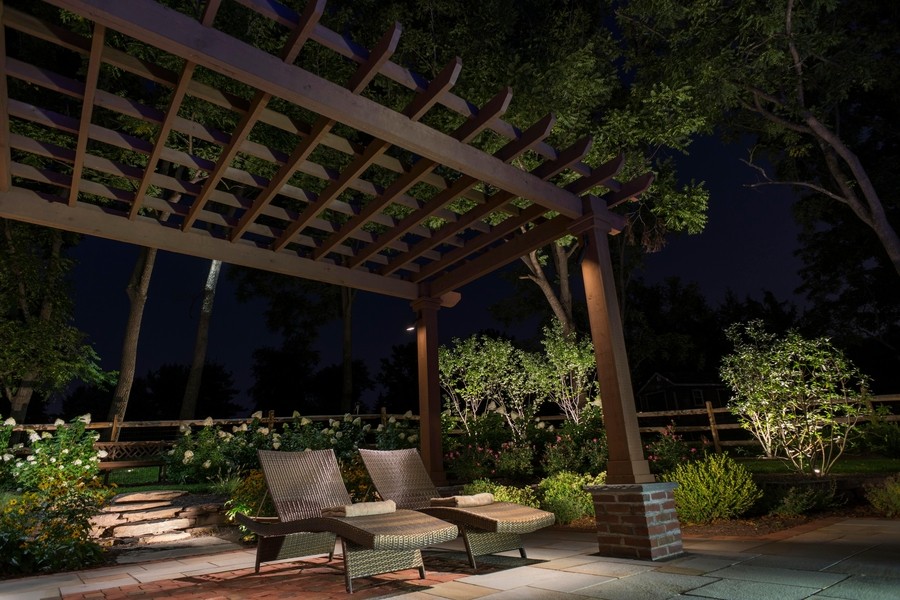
{"x": 148, "y": 439}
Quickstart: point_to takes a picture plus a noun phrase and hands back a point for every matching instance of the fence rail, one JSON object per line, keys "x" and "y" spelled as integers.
{"x": 716, "y": 426}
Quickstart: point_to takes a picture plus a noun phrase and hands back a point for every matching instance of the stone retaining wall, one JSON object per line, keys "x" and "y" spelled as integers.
{"x": 156, "y": 517}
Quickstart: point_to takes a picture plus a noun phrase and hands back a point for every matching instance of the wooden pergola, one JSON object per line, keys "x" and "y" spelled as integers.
{"x": 411, "y": 211}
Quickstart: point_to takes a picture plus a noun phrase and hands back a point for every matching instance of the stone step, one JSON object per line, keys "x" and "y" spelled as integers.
{"x": 165, "y": 538}
{"x": 133, "y": 506}
{"x": 150, "y": 496}
{"x": 151, "y": 527}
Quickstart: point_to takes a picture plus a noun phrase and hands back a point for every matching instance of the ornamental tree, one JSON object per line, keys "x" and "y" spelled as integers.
{"x": 800, "y": 398}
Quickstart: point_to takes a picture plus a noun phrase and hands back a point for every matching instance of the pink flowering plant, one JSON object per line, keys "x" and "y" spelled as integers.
{"x": 668, "y": 451}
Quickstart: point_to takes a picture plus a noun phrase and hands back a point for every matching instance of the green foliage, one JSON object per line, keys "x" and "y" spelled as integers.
{"x": 579, "y": 447}
{"x": 713, "y": 488}
{"x": 48, "y": 527}
{"x": 503, "y": 493}
{"x": 668, "y": 451}
{"x": 885, "y": 498}
{"x": 397, "y": 433}
{"x": 57, "y": 460}
{"x": 880, "y": 436}
{"x": 802, "y": 499}
{"x": 515, "y": 460}
{"x": 800, "y": 398}
{"x": 40, "y": 350}
{"x": 481, "y": 376}
{"x": 570, "y": 369}
{"x": 563, "y": 494}
{"x": 6, "y": 458}
{"x": 469, "y": 462}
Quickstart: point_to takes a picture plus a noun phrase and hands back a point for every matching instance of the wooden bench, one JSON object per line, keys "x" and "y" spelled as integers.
{"x": 133, "y": 455}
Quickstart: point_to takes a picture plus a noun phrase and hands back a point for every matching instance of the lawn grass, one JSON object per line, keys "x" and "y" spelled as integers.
{"x": 847, "y": 464}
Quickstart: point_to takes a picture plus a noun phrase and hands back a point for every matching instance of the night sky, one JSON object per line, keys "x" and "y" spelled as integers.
{"x": 747, "y": 247}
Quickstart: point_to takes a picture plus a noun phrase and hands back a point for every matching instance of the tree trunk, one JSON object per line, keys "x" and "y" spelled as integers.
{"x": 137, "y": 296}
{"x": 192, "y": 390}
{"x": 537, "y": 274}
{"x": 20, "y": 399}
{"x": 347, "y": 295}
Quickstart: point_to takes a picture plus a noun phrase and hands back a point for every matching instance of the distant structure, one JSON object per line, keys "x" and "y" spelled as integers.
{"x": 663, "y": 392}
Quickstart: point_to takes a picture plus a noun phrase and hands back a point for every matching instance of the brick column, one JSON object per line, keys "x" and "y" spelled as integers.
{"x": 637, "y": 520}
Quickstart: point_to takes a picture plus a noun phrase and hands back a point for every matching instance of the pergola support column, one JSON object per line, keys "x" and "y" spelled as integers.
{"x": 635, "y": 517}
{"x": 429, "y": 388}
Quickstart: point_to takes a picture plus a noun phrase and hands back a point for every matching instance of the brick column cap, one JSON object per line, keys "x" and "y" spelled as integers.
{"x": 664, "y": 486}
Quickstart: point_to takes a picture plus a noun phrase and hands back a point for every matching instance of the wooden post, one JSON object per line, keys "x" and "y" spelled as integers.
{"x": 114, "y": 429}
{"x": 429, "y": 388}
{"x": 384, "y": 417}
{"x": 270, "y": 421}
{"x": 712, "y": 427}
{"x": 626, "y": 455}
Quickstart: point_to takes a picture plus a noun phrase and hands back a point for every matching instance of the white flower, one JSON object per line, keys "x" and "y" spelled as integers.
{"x": 401, "y": 435}
{"x": 332, "y": 441}
{"x": 407, "y": 414}
{"x": 184, "y": 428}
{"x": 541, "y": 425}
{"x": 243, "y": 427}
{"x": 7, "y": 457}
{"x": 296, "y": 414}
{"x": 492, "y": 406}
{"x": 256, "y": 415}
{"x": 189, "y": 454}
{"x": 46, "y": 435}
{"x": 367, "y": 427}
{"x": 263, "y": 430}
{"x": 339, "y": 434}
{"x": 411, "y": 439}
{"x": 327, "y": 431}
{"x": 86, "y": 419}
{"x": 65, "y": 451}
{"x": 304, "y": 422}
{"x": 30, "y": 458}
{"x": 276, "y": 445}
{"x": 52, "y": 459}
{"x": 357, "y": 421}
{"x": 208, "y": 422}
{"x": 102, "y": 453}
{"x": 33, "y": 436}
{"x": 171, "y": 452}
{"x": 78, "y": 462}
{"x": 380, "y": 427}
{"x": 221, "y": 433}
{"x": 392, "y": 420}
{"x": 9, "y": 421}
{"x": 333, "y": 423}
{"x": 207, "y": 464}
{"x": 59, "y": 422}
{"x": 348, "y": 417}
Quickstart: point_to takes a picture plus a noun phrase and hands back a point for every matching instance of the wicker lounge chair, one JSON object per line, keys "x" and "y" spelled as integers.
{"x": 400, "y": 475}
{"x": 302, "y": 484}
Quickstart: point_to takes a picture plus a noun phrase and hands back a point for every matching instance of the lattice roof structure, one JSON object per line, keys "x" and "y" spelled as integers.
{"x": 354, "y": 193}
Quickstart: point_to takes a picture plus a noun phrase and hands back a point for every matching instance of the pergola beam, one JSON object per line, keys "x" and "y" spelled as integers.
{"x": 151, "y": 23}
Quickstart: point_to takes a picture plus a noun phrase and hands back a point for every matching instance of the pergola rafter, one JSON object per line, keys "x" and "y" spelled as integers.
{"x": 299, "y": 174}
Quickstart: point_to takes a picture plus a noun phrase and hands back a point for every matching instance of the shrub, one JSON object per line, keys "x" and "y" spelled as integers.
{"x": 715, "y": 487}
{"x": 251, "y": 498}
{"x": 799, "y": 398}
{"x": 580, "y": 447}
{"x": 303, "y": 434}
{"x": 6, "y": 456}
{"x": 397, "y": 433}
{"x": 668, "y": 451}
{"x": 801, "y": 499}
{"x": 885, "y": 498}
{"x": 515, "y": 460}
{"x": 503, "y": 493}
{"x": 563, "y": 494}
{"x": 881, "y": 437}
{"x": 48, "y": 528}
{"x": 470, "y": 462}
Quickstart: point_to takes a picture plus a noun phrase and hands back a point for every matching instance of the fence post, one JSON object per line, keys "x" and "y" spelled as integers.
{"x": 114, "y": 429}
{"x": 384, "y": 416}
{"x": 271, "y": 420}
{"x": 712, "y": 427}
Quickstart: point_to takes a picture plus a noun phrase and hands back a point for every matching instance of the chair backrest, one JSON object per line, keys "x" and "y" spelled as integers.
{"x": 303, "y": 483}
{"x": 400, "y": 475}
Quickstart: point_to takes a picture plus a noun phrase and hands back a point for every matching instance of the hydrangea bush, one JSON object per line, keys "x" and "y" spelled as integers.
{"x": 48, "y": 527}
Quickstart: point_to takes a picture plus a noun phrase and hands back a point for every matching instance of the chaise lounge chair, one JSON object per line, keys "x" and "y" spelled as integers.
{"x": 400, "y": 475}
{"x": 304, "y": 485}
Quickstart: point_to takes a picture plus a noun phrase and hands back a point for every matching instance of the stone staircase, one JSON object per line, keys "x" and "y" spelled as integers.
{"x": 157, "y": 517}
